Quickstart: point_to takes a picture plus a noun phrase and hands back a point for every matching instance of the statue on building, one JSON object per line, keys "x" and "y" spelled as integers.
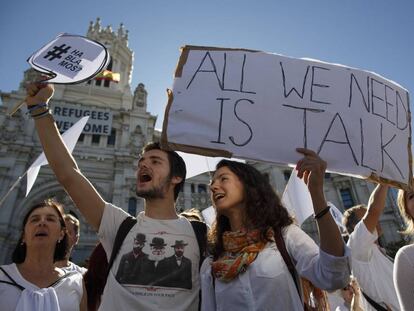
{"x": 140, "y": 96}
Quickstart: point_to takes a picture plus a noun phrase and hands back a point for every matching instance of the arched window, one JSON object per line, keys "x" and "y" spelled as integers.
{"x": 111, "y": 138}
{"x": 202, "y": 188}
{"x": 347, "y": 198}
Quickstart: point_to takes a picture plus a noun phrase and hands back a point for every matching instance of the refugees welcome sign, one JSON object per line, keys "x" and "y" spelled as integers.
{"x": 262, "y": 106}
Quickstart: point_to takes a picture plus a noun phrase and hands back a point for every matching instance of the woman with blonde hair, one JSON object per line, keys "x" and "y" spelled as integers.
{"x": 404, "y": 260}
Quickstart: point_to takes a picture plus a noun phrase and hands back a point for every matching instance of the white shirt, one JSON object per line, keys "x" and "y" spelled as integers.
{"x": 74, "y": 267}
{"x": 267, "y": 283}
{"x": 69, "y": 291}
{"x": 137, "y": 294}
{"x": 372, "y": 269}
{"x": 404, "y": 277}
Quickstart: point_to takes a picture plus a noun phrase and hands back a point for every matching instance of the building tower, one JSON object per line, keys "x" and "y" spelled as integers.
{"x": 107, "y": 151}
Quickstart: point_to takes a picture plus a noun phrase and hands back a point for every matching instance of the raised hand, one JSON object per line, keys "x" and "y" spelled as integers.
{"x": 311, "y": 168}
{"x": 38, "y": 93}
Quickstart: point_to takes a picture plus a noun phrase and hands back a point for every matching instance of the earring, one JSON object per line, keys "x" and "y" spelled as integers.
{"x": 22, "y": 243}
{"x": 58, "y": 241}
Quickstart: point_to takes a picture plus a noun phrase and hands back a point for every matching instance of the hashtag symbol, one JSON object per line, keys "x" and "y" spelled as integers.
{"x": 57, "y": 52}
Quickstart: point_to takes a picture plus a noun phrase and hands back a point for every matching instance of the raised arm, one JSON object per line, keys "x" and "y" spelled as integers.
{"x": 376, "y": 205}
{"x": 82, "y": 192}
{"x": 312, "y": 169}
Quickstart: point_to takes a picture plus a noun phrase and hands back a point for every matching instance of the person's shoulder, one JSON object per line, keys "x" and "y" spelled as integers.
{"x": 114, "y": 208}
{"x": 126, "y": 255}
{"x": 292, "y": 229}
{"x": 407, "y": 250}
{"x": 75, "y": 267}
{"x": 10, "y": 268}
{"x": 361, "y": 232}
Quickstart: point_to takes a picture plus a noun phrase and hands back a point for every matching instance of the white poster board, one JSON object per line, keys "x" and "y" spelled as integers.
{"x": 262, "y": 106}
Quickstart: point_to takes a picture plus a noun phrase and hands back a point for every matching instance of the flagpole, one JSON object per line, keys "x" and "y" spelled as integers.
{"x": 16, "y": 108}
{"x": 90, "y": 87}
{"x": 12, "y": 187}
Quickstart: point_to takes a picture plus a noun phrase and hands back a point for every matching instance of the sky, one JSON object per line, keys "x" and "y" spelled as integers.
{"x": 370, "y": 35}
{"x": 373, "y": 35}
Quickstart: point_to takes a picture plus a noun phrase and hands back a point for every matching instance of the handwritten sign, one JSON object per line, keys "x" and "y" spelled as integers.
{"x": 70, "y": 59}
{"x": 262, "y": 106}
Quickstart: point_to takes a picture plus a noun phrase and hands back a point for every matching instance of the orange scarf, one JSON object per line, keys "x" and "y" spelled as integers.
{"x": 241, "y": 250}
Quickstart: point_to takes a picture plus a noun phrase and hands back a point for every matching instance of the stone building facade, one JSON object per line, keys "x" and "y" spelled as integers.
{"x": 107, "y": 153}
{"x": 343, "y": 191}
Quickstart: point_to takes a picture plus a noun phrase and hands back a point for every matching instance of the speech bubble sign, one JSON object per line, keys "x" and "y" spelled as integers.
{"x": 70, "y": 59}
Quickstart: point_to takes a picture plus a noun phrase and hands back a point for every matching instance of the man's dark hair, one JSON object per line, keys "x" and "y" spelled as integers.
{"x": 351, "y": 218}
{"x": 177, "y": 165}
{"x": 19, "y": 253}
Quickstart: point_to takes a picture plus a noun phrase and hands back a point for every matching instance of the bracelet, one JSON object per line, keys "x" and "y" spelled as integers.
{"x": 41, "y": 105}
{"x": 322, "y": 213}
{"x": 42, "y": 114}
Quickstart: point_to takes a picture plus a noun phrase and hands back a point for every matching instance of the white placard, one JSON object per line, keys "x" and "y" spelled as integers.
{"x": 297, "y": 199}
{"x": 263, "y": 106}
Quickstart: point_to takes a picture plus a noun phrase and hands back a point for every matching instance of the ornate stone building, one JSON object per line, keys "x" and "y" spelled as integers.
{"x": 343, "y": 191}
{"x": 106, "y": 153}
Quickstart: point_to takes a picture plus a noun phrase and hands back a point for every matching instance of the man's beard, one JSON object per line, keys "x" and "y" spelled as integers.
{"x": 155, "y": 192}
{"x": 137, "y": 250}
{"x": 156, "y": 257}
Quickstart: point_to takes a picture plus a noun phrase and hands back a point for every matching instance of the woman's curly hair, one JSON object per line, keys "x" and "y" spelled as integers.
{"x": 264, "y": 209}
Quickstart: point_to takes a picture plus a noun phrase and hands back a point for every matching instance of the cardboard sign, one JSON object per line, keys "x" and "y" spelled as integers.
{"x": 70, "y": 59}
{"x": 262, "y": 106}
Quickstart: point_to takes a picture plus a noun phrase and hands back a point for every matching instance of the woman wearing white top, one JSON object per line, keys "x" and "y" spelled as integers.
{"x": 404, "y": 260}
{"x": 246, "y": 270}
{"x": 33, "y": 282}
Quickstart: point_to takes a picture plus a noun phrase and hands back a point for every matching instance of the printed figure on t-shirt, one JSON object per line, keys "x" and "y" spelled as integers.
{"x": 154, "y": 270}
{"x": 179, "y": 267}
{"x": 131, "y": 263}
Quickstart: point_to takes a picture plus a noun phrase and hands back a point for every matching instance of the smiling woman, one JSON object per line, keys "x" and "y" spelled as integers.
{"x": 254, "y": 242}
{"x": 32, "y": 278}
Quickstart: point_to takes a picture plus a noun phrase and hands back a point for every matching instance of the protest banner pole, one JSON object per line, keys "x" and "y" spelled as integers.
{"x": 15, "y": 108}
{"x": 12, "y": 188}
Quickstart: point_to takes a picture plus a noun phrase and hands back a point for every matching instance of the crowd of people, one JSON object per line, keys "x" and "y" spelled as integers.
{"x": 254, "y": 257}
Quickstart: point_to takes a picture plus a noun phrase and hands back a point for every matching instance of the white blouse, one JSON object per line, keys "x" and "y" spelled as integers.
{"x": 67, "y": 293}
{"x": 268, "y": 285}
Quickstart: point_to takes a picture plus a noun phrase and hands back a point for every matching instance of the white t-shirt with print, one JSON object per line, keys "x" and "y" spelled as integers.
{"x": 141, "y": 292}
